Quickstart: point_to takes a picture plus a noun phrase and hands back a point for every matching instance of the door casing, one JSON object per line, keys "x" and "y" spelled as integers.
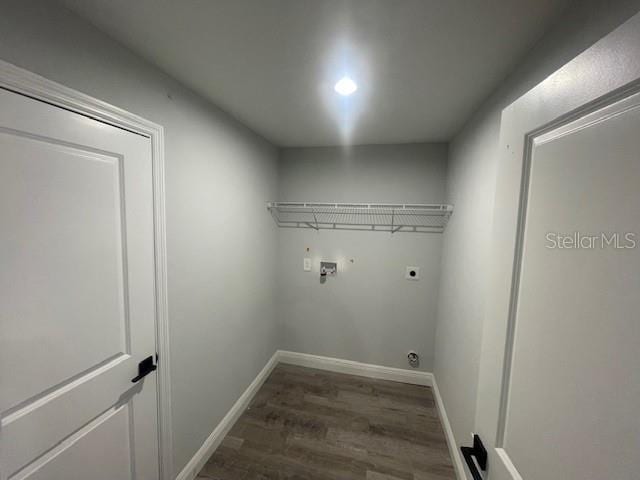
{"x": 27, "y": 83}
{"x": 605, "y": 73}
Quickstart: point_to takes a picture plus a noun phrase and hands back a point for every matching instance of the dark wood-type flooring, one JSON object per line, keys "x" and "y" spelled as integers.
{"x": 307, "y": 424}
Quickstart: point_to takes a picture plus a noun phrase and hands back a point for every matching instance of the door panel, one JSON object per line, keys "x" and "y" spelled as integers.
{"x": 76, "y": 457}
{"x": 558, "y": 369}
{"x": 66, "y": 252}
{"x": 574, "y": 383}
{"x": 77, "y": 305}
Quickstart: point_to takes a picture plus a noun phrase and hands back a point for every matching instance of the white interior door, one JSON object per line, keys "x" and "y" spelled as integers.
{"x": 77, "y": 307}
{"x": 560, "y": 372}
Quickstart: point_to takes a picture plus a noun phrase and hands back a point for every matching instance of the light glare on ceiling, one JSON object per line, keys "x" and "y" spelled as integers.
{"x": 345, "y": 86}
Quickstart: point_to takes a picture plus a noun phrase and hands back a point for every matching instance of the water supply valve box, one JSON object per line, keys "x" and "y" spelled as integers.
{"x": 328, "y": 269}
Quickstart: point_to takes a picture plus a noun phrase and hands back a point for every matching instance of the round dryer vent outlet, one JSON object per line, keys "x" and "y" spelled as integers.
{"x": 414, "y": 359}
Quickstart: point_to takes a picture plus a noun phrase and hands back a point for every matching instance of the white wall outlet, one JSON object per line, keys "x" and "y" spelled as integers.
{"x": 307, "y": 265}
{"x": 412, "y": 273}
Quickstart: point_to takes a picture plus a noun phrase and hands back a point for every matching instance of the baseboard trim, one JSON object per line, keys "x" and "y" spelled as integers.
{"x": 191, "y": 470}
{"x": 338, "y": 365}
{"x": 456, "y": 457}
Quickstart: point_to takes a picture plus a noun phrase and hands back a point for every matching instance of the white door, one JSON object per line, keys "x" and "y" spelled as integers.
{"x": 77, "y": 306}
{"x": 559, "y": 386}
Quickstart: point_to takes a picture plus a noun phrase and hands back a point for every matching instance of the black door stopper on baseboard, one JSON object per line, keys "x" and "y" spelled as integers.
{"x": 480, "y": 453}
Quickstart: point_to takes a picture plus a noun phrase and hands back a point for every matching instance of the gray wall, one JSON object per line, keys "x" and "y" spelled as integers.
{"x": 470, "y": 185}
{"x": 220, "y": 239}
{"x": 369, "y": 312}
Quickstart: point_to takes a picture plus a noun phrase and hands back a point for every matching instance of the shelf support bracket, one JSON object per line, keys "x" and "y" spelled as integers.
{"x": 315, "y": 219}
{"x": 393, "y": 216}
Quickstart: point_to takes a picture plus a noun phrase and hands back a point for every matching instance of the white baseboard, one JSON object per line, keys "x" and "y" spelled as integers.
{"x": 338, "y": 365}
{"x": 458, "y": 465}
{"x": 191, "y": 470}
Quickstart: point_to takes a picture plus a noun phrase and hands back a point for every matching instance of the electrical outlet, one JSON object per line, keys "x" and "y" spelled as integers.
{"x": 307, "y": 265}
{"x": 412, "y": 273}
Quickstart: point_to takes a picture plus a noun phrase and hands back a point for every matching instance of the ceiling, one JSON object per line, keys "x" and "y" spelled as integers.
{"x": 422, "y": 66}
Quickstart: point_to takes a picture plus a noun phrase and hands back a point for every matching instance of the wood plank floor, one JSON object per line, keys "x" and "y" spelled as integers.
{"x": 307, "y": 424}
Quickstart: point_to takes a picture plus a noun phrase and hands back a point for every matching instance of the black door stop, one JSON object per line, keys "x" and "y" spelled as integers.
{"x": 480, "y": 453}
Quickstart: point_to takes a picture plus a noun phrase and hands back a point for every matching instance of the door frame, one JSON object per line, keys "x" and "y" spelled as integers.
{"x": 21, "y": 81}
{"x": 605, "y": 73}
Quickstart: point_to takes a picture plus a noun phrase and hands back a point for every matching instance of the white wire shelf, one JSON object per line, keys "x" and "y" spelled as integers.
{"x": 383, "y": 217}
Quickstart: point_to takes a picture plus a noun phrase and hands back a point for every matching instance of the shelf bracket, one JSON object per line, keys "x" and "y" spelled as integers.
{"x": 393, "y": 216}
{"x": 315, "y": 219}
